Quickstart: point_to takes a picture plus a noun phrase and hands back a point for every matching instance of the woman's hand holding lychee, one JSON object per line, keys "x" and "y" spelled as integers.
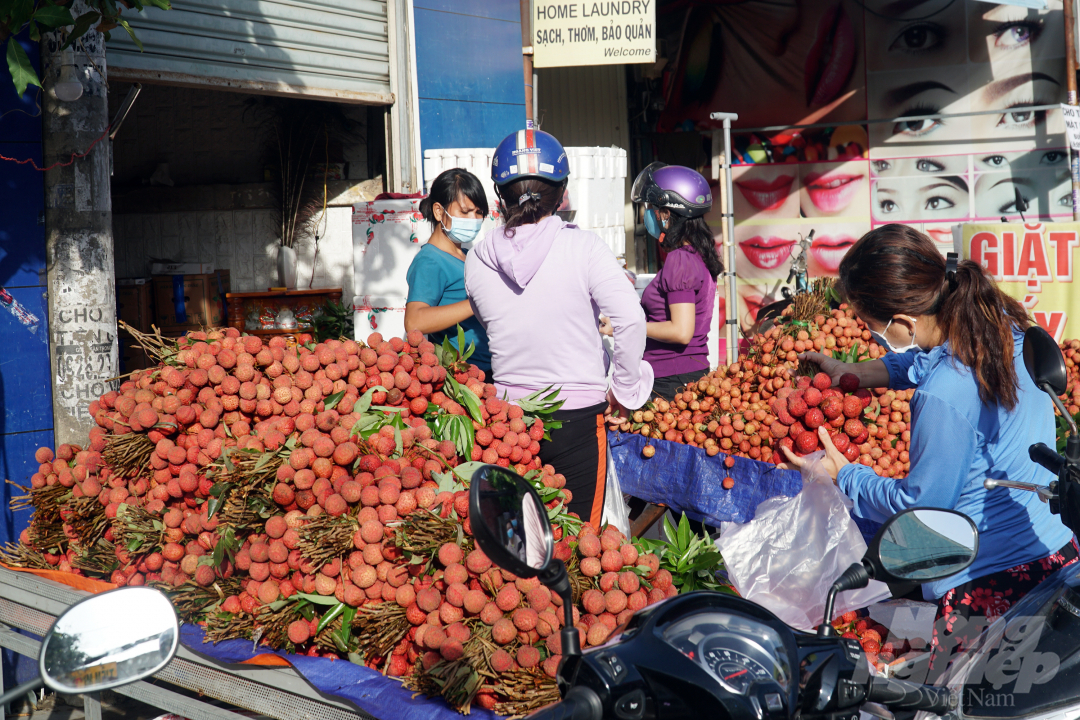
{"x": 830, "y": 464}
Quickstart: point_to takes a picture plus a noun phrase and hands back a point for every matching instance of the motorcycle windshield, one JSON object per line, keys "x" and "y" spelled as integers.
{"x": 1027, "y": 663}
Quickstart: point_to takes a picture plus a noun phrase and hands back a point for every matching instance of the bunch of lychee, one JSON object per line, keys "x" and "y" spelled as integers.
{"x": 753, "y": 406}
{"x": 880, "y": 645}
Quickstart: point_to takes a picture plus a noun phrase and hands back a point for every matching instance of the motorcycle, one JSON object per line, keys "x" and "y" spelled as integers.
{"x": 706, "y": 653}
{"x": 105, "y": 641}
{"x": 1026, "y": 663}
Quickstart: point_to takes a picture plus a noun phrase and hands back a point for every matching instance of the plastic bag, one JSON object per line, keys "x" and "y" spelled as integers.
{"x": 616, "y": 511}
{"x": 786, "y": 558}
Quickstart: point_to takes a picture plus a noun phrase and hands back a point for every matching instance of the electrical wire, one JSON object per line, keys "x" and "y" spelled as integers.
{"x": 58, "y": 163}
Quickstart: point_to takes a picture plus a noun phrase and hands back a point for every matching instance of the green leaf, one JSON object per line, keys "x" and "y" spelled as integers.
{"x": 397, "y": 442}
{"x": 225, "y": 459}
{"x": 447, "y": 483}
{"x": 263, "y": 459}
{"x": 669, "y": 530}
{"x": 82, "y": 23}
{"x": 135, "y": 543}
{"x": 212, "y": 506}
{"x": 318, "y": 599}
{"x": 22, "y": 72}
{"x": 331, "y": 402}
{"x": 460, "y": 338}
{"x": 218, "y": 488}
{"x": 364, "y": 402}
{"x": 465, "y": 470}
{"x": 54, "y": 16}
{"x": 685, "y": 534}
{"x": 330, "y": 616}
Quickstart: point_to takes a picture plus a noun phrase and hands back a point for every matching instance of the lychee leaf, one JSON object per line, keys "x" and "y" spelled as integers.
{"x": 212, "y": 507}
{"x": 331, "y": 402}
{"x": 465, "y": 470}
{"x": 397, "y": 441}
{"x": 317, "y": 599}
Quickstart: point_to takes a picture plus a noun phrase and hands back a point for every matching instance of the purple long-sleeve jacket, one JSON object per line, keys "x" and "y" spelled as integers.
{"x": 539, "y": 295}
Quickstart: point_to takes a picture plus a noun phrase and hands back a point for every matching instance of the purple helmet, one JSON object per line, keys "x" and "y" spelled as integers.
{"x": 682, "y": 190}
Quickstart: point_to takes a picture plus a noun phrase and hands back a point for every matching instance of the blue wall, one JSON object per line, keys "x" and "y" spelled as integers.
{"x": 469, "y": 72}
{"x": 25, "y": 393}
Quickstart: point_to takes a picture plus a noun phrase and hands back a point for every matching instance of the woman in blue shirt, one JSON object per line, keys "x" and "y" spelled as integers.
{"x": 437, "y": 302}
{"x": 959, "y": 340}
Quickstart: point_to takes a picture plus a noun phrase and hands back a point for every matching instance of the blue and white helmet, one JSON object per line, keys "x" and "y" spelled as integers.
{"x": 529, "y": 154}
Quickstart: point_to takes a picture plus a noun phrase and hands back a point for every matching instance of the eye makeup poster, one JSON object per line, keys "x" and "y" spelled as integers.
{"x": 837, "y": 64}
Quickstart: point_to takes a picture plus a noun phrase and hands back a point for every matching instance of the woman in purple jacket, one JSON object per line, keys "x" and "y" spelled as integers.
{"x": 538, "y": 286}
{"x": 680, "y": 301}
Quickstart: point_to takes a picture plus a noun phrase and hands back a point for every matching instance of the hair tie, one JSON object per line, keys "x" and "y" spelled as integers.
{"x": 527, "y": 196}
{"x": 951, "y": 261}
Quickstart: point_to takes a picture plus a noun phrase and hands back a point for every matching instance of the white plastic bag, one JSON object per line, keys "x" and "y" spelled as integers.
{"x": 791, "y": 552}
{"x": 616, "y": 511}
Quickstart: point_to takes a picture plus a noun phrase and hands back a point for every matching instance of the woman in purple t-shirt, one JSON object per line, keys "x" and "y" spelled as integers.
{"x": 679, "y": 301}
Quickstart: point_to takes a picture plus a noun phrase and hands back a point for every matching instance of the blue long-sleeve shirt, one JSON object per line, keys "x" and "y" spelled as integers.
{"x": 957, "y": 441}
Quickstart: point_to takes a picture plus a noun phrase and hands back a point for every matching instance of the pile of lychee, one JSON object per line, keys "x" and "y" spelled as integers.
{"x": 753, "y": 406}
{"x": 174, "y": 434}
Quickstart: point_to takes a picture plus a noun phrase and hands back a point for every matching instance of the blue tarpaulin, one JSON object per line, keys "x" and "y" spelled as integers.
{"x": 371, "y": 691}
{"x": 688, "y": 481}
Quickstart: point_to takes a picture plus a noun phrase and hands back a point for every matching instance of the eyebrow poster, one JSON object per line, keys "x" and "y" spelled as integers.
{"x": 838, "y": 65}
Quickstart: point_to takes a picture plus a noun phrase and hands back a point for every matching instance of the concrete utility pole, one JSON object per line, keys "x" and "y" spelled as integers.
{"x": 78, "y": 235}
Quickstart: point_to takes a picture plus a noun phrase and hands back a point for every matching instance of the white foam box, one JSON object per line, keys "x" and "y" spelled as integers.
{"x": 597, "y": 185}
{"x": 387, "y": 235}
{"x": 378, "y": 313}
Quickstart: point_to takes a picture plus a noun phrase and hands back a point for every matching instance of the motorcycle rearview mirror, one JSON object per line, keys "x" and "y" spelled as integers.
{"x": 1046, "y": 366}
{"x": 510, "y": 524}
{"x": 109, "y": 640}
{"x": 918, "y": 544}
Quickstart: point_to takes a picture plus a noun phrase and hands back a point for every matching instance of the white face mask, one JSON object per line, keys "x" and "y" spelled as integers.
{"x": 462, "y": 231}
{"x": 881, "y": 340}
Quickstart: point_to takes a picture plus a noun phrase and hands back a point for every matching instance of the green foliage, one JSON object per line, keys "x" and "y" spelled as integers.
{"x": 1063, "y": 430}
{"x": 38, "y": 16}
{"x": 692, "y": 560}
{"x": 336, "y": 321}
{"x": 852, "y": 355}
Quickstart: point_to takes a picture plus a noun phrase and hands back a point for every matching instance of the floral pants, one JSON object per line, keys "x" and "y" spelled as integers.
{"x": 966, "y": 610}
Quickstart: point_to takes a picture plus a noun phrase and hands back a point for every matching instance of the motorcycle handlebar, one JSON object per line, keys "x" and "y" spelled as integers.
{"x": 580, "y": 703}
{"x": 904, "y": 695}
{"x": 1046, "y": 457}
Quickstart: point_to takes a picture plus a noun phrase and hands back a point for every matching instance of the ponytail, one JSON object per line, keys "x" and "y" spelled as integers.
{"x": 528, "y": 201}
{"x": 694, "y": 232}
{"x": 977, "y": 319}
{"x": 895, "y": 269}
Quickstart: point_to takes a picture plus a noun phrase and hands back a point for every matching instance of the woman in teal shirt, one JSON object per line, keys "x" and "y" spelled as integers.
{"x": 437, "y": 302}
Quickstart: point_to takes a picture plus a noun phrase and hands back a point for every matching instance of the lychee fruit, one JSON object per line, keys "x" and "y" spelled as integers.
{"x": 832, "y": 407}
{"x": 591, "y": 567}
{"x": 813, "y": 419}
{"x": 299, "y": 631}
{"x": 806, "y": 442}
{"x": 854, "y": 428}
{"x": 508, "y": 598}
{"x": 853, "y": 406}
{"x": 449, "y": 554}
{"x": 528, "y": 656}
{"x": 821, "y": 381}
{"x": 796, "y": 406}
{"x": 503, "y": 631}
{"x": 849, "y": 382}
{"x": 501, "y": 661}
{"x": 590, "y": 546}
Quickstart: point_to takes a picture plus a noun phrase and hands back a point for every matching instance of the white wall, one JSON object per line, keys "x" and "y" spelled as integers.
{"x": 241, "y": 241}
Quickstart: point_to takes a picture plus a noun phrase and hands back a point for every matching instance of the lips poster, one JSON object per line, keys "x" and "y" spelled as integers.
{"x": 1035, "y": 263}
{"x": 838, "y": 64}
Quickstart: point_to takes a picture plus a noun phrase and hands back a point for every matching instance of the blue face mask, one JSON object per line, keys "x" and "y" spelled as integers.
{"x": 653, "y": 226}
{"x": 463, "y": 231}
